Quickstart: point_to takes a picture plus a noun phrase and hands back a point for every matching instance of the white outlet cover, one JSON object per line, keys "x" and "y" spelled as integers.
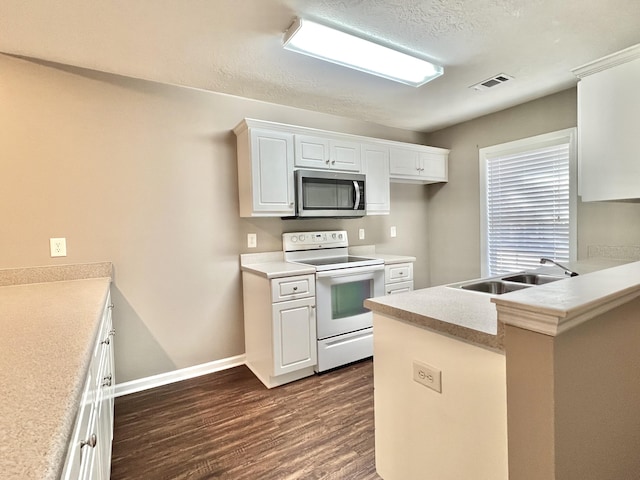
{"x": 361, "y": 234}
{"x": 393, "y": 232}
{"x": 58, "y": 247}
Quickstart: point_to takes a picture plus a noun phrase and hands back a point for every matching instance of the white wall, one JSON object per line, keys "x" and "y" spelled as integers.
{"x": 144, "y": 175}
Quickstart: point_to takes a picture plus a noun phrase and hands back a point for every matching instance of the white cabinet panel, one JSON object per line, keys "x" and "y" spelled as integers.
{"x": 89, "y": 453}
{"x": 294, "y": 335}
{"x": 608, "y": 147}
{"x": 375, "y": 162}
{"x": 326, "y": 152}
{"x": 418, "y": 164}
{"x": 265, "y": 173}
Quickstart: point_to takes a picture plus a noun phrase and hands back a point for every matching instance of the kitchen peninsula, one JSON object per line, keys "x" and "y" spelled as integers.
{"x": 50, "y": 319}
{"x": 536, "y": 383}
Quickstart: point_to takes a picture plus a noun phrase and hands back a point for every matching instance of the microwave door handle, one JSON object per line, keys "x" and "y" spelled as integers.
{"x": 356, "y": 187}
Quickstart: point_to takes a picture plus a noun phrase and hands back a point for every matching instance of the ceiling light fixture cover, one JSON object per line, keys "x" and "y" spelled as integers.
{"x": 325, "y": 43}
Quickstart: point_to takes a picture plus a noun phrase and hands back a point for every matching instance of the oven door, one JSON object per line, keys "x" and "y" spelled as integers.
{"x": 340, "y": 295}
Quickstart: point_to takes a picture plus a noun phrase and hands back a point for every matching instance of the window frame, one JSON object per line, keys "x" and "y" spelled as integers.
{"x": 518, "y": 146}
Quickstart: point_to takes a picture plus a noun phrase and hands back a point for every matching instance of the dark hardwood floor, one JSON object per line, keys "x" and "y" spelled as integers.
{"x": 227, "y": 425}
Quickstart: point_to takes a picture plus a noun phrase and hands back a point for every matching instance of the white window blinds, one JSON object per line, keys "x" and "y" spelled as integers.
{"x": 527, "y": 206}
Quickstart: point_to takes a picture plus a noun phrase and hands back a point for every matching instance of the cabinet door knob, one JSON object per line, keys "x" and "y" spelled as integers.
{"x": 106, "y": 341}
{"x": 112, "y": 332}
{"x": 110, "y": 306}
{"x": 92, "y": 441}
{"x": 333, "y": 162}
{"x": 295, "y": 288}
{"x": 106, "y": 381}
{"x": 327, "y": 161}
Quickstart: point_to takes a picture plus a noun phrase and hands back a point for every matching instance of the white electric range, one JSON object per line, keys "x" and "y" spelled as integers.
{"x": 343, "y": 282}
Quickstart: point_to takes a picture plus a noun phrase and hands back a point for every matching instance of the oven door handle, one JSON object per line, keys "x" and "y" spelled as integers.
{"x": 344, "y": 272}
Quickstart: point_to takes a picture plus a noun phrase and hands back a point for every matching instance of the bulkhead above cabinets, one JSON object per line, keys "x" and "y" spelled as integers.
{"x": 269, "y": 153}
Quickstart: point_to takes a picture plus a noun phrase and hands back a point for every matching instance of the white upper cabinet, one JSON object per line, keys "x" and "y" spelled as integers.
{"x": 608, "y": 146}
{"x": 375, "y": 163}
{"x": 265, "y": 172}
{"x": 417, "y": 164}
{"x": 269, "y": 153}
{"x": 327, "y": 152}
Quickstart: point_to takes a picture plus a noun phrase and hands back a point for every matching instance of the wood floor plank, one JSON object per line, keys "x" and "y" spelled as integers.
{"x": 228, "y": 426}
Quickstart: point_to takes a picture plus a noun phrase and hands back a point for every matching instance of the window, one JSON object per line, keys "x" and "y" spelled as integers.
{"x": 528, "y": 202}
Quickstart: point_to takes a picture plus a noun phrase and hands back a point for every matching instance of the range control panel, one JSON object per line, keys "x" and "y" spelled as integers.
{"x": 294, "y": 241}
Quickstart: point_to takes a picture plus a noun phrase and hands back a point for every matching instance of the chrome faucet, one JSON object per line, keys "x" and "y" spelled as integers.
{"x": 566, "y": 270}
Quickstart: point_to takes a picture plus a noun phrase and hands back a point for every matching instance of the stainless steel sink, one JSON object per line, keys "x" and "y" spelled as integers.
{"x": 494, "y": 287}
{"x": 532, "y": 278}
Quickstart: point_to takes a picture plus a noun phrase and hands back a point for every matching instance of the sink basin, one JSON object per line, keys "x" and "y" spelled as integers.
{"x": 495, "y": 287}
{"x": 532, "y": 278}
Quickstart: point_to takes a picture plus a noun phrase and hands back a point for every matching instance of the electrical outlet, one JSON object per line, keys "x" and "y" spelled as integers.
{"x": 361, "y": 234}
{"x": 58, "y": 247}
{"x": 393, "y": 232}
{"x": 252, "y": 240}
{"x": 427, "y": 375}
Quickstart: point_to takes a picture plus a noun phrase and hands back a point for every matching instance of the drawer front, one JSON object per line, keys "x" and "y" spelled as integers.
{"x": 400, "y": 287}
{"x": 291, "y": 288}
{"x": 400, "y": 272}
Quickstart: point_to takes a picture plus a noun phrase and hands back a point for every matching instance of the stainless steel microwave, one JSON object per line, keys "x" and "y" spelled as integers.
{"x": 330, "y": 194}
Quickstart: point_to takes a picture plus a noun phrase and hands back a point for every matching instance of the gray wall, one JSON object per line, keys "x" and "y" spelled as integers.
{"x": 454, "y": 209}
{"x": 144, "y": 175}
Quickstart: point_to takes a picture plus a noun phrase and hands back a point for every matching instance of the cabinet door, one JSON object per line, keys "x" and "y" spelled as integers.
{"x": 608, "y": 151}
{"x": 272, "y": 172}
{"x": 345, "y": 155}
{"x": 375, "y": 160}
{"x": 434, "y": 166}
{"x": 311, "y": 152}
{"x": 404, "y": 162}
{"x": 294, "y": 335}
{"x": 401, "y": 287}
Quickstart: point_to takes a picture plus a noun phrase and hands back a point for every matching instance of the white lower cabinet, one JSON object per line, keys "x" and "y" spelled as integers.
{"x": 89, "y": 452}
{"x": 398, "y": 278}
{"x": 280, "y": 327}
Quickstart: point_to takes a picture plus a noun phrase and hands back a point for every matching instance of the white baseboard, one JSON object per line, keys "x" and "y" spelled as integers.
{"x": 146, "y": 383}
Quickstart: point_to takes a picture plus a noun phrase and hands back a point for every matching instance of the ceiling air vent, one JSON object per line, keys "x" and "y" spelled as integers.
{"x": 492, "y": 82}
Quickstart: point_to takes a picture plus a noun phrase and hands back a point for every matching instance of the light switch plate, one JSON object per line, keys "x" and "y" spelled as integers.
{"x": 393, "y": 232}
{"x": 427, "y": 375}
{"x": 361, "y": 234}
{"x": 252, "y": 240}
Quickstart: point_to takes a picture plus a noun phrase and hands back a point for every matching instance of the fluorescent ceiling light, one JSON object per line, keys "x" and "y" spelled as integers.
{"x": 347, "y": 50}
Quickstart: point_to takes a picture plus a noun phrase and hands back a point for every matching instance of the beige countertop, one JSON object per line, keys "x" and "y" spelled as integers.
{"x": 48, "y": 331}
{"x": 559, "y": 306}
{"x": 273, "y": 265}
{"x": 466, "y": 315}
{"x": 473, "y": 317}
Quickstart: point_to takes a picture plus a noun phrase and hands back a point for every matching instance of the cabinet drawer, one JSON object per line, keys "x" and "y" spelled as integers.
{"x": 398, "y": 273}
{"x": 400, "y": 287}
{"x": 290, "y": 288}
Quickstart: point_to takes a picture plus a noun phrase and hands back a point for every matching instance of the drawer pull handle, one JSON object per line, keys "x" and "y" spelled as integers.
{"x": 93, "y": 440}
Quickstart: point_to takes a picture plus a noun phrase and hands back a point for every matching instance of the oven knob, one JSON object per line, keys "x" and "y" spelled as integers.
{"x": 333, "y": 235}
{"x": 294, "y": 239}
{"x": 301, "y": 238}
{"x": 340, "y": 236}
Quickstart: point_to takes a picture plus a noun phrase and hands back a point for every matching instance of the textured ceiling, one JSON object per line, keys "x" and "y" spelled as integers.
{"x": 234, "y": 46}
